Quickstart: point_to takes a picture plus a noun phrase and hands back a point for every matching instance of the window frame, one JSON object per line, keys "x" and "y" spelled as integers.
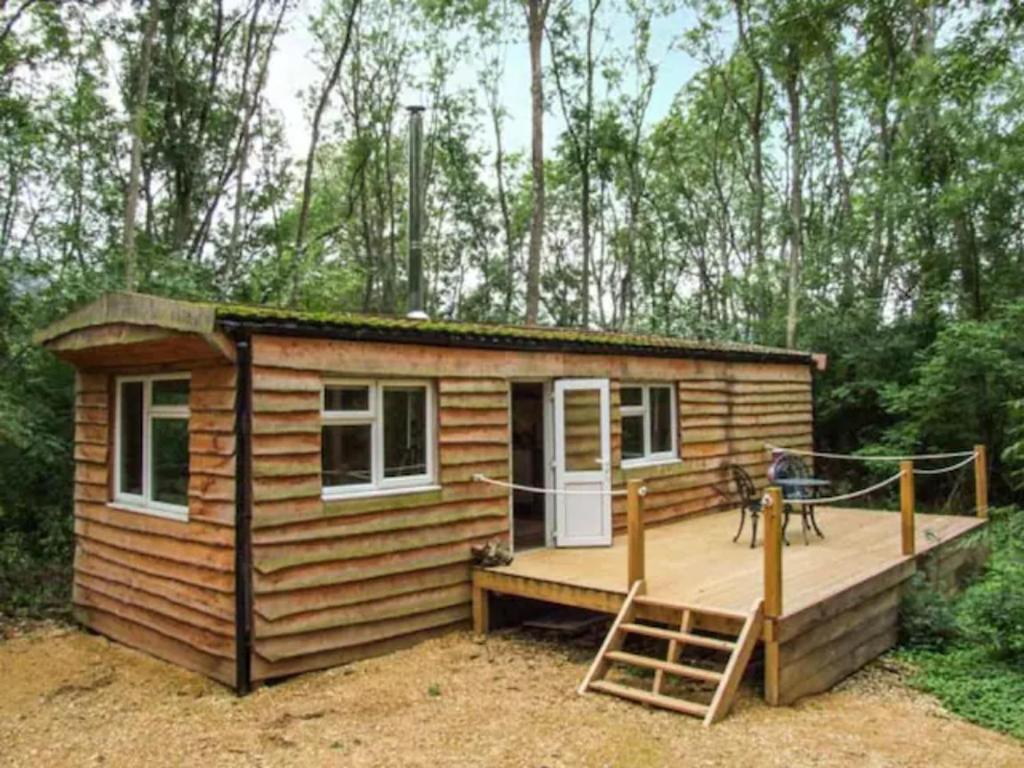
{"x": 644, "y": 410}
{"x": 144, "y": 502}
{"x": 380, "y": 485}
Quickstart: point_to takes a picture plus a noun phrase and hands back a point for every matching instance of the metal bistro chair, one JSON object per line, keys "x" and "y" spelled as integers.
{"x": 790, "y": 467}
{"x": 750, "y": 502}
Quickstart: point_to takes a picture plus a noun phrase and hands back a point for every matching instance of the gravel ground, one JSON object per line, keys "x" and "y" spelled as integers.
{"x": 70, "y": 698}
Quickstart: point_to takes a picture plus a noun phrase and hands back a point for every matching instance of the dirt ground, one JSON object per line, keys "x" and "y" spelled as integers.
{"x": 70, "y": 698}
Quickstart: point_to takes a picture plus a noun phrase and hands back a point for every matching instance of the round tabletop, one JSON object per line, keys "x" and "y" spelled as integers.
{"x": 803, "y": 482}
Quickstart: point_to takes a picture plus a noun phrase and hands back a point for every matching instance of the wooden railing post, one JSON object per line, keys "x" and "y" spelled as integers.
{"x": 773, "y": 554}
{"x": 772, "y": 514}
{"x": 981, "y": 480}
{"x": 907, "y": 506}
{"x": 635, "y": 531}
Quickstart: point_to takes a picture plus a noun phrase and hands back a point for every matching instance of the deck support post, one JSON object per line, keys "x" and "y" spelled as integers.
{"x": 772, "y": 514}
{"x": 907, "y": 507}
{"x": 635, "y": 532}
{"x": 481, "y": 610}
{"x": 981, "y": 479}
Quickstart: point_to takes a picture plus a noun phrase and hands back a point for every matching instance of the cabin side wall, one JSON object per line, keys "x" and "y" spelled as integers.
{"x": 163, "y": 586}
{"x": 339, "y": 580}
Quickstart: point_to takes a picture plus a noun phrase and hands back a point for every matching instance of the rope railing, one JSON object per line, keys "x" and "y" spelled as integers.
{"x": 858, "y": 457}
{"x": 949, "y": 468}
{"x": 813, "y": 502}
{"x": 774, "y": 508}
{"x": 552, "y": 491}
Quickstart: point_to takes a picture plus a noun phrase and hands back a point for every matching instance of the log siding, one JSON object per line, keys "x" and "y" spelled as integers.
{"x": 344, "y": 579}
{"x": 163, "y": 586}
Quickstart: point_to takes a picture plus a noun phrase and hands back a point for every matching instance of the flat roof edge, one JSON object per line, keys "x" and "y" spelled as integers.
{"x": 281, "y": 327}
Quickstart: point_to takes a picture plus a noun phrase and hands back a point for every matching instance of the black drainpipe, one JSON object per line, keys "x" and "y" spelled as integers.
{"x": 243, "y": 515}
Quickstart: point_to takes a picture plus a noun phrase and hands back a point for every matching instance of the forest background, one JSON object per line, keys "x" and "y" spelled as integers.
{"x": 841, "y": 177}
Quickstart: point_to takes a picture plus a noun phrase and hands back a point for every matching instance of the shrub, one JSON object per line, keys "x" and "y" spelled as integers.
{"x": 927, "y": 619}
{"x": 992, "y": 611}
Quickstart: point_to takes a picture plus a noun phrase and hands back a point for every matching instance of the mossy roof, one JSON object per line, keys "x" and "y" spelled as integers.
{"x": 357, "y": 325}
{"x": 206, "y": 317}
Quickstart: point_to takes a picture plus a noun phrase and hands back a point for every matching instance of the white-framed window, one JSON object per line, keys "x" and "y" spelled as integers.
{"x": 377, "y": 436}
{"x": 649, "y": 423}
{"x": 151, "y": 444}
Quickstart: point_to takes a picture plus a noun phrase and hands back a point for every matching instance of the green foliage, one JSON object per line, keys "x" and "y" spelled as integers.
{"x": 927, "y": 619}
{"x": 969, "y": 652}
{"x": 912, "y": 270}
{"x": 974, "y": 685}
{"x": 1013, "y": 455}
{"x": 962, "y": 384}
{"x": 993, "y": 611}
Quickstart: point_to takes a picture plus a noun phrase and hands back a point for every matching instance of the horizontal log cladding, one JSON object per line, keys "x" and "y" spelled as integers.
{"x": 164, "y": 586}
{"x": 721, "y": 422}
{"x": 350, "y": 577}
{"x": 343, "y": 579}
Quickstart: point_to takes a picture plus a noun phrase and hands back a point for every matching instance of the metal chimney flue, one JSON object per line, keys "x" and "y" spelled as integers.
{"x": 415, "y": 309}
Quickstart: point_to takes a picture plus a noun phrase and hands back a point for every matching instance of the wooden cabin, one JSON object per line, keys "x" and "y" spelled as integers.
{"x": 262, "y": 492}
{"x": 316, "y": 472}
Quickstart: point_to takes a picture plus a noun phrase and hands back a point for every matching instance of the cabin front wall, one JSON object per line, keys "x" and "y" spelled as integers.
{"x": 160, "y": 585}
{"x": 343, "y": 579}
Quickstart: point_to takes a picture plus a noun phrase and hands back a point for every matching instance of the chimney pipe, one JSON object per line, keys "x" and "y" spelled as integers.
{"x": 416, "y": 311}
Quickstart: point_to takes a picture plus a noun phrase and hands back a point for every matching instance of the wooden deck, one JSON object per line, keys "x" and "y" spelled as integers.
{"x": 840, "y": 593}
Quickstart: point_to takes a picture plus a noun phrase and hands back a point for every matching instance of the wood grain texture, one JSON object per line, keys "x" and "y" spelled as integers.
{"x": 163, "y": 586}
{"x": 344, "y": 578}
{"x": 326, "y": 572}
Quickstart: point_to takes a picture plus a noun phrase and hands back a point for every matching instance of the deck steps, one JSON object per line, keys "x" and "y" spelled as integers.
{"x": 654, "y": 699}
{"x": 726, "y": 682}
{"x": 681, "y": 670}
{"x": 718, "y": 613}
{"x": 701, "y": 641}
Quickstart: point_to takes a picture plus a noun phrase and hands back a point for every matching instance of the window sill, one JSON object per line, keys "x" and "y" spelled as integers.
{"x": 379, "y": 492}
{"x": 648, "y": 468}
{"x": 654, "y": 462}
{"x": 168, "y": 513}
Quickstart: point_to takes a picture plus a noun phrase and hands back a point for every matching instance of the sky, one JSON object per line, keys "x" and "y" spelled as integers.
{"x": 292, "y": 71}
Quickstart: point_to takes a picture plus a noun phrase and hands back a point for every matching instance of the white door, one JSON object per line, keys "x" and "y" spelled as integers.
{"x": 583, "y": 516}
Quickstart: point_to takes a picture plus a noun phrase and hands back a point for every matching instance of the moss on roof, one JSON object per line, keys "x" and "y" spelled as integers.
{"x": 205, "y": 317}
{"x": 263, "y": 315}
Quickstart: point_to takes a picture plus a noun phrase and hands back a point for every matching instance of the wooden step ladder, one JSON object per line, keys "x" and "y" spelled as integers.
{"x": 726, "y": 682}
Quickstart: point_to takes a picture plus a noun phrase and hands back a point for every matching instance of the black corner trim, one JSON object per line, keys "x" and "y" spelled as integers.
{"x": 243, "y": 514}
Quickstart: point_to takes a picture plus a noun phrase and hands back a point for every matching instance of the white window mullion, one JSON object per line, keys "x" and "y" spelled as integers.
{"x": 646, "y": 400}
{"x": 377, "y": 436}
{"x": 374, "y": 417}
{"x": 645, "y": 411}
{"x": 147, "y": 447}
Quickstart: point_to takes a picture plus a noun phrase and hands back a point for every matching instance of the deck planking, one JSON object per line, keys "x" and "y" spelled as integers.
{"x": 695, "y": 561}
{"x": 841, "y": 594}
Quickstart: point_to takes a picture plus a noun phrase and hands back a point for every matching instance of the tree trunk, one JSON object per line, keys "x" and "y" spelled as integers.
{"x": 755, "y": 123}
{"x": 506, "y": 215}
{"x": 314, "y": 137}
{"x": 585, "y": 164}
{"x": 245, "y": 136}
{"x": 138, "y": 130}
{"x": 535, "y": 13}
{"x": 795, "y": 194}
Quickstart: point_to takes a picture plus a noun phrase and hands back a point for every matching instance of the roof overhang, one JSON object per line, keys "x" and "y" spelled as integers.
{"x": 131, "y": 329}
{"x": 138, "y": 329}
